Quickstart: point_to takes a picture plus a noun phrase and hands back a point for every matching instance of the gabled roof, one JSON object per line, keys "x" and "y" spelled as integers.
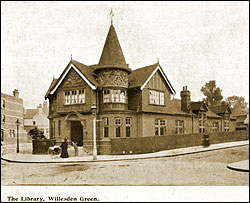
{"x": 84, "y": 71}
{"x": 196, "y": 106}
{"x": 174, "y": 107}
{"x": 50, "y": 87}
{"x": 30, "y": 113}
{"x": 112, "y": 55}
{"x": 212, "y": 114}
{"x": 141, "y": 76}
{"x": 221, "y": 109}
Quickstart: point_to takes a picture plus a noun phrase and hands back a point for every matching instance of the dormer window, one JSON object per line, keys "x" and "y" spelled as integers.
{"x": 156, "y": 97}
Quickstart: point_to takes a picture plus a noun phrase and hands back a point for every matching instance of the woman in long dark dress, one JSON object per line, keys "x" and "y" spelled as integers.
{"x": 64, "y": 147}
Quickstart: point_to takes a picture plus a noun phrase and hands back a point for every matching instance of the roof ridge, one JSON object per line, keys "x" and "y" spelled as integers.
{"x": 146, "y": 66}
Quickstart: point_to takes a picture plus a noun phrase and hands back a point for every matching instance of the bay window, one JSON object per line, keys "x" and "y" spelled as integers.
{"x": 114, "y": 96}
{"x": 105, "y": 96}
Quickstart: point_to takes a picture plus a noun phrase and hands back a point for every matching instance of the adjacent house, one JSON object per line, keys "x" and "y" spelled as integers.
{"x": 129, "y": 103}
{"x": 242, "y": 118}
{"x": 11, "y": 111}
{"x": 37, "y": 118}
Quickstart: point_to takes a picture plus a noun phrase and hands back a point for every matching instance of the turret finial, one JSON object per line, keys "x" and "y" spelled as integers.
{"x": 111, "y": 15}
{"x": 71, "y": 57}
{"x": 157, "y": 60}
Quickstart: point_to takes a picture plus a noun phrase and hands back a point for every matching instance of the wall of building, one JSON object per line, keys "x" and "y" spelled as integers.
{"x": 13, "y": 110}
{"x": 28, "y": 121}
{"x": 148, "y": 122}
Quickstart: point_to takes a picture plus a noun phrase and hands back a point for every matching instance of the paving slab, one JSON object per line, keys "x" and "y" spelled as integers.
{"x": 32, "y": 158}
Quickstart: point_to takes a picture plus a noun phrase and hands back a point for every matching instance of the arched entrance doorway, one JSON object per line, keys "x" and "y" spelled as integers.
{"x": 76, "y": 123}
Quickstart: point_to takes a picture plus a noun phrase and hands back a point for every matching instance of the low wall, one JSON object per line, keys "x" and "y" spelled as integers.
{"x": 158, "y": 143}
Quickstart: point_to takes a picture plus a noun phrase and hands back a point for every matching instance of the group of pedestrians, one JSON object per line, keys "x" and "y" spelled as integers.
{"x": 64, "y": 149}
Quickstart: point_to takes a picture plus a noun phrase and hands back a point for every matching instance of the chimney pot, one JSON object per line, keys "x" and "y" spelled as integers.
{"x": 16, "y": 93}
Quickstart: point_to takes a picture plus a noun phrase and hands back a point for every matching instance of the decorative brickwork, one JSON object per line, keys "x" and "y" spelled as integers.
{"x": 72, "y": 80}
{"x": 113, "y": 78}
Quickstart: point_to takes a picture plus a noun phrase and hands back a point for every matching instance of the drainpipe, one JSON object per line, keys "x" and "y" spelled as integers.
{"x": 192, "y": 124}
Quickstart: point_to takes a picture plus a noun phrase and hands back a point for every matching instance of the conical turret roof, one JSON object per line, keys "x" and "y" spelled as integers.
{"x": 112, "y": 55}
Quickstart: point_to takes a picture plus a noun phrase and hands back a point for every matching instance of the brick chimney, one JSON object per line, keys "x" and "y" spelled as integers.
{"x": 185, "y": 99}
{"x": 45, "y": 108}
{"x": 16, "y": 93}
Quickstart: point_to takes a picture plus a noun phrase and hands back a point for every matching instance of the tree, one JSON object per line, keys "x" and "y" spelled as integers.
{"x": 212, "y": 93}
{"x": 236, "y": 102}
{"x": 36, "y": 134}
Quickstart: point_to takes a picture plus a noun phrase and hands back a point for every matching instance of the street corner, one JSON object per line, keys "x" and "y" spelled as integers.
{"x": 239, "y": 166}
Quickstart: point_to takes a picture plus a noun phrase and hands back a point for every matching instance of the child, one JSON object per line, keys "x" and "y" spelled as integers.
{"x": 75, "y": 148}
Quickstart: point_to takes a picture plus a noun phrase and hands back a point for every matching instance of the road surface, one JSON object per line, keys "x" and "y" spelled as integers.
{"x": 200, "y": 169}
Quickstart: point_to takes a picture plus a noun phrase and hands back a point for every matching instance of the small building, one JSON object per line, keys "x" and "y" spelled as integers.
{"x": 242, "y": 118}
{"x": 12, "y": 110}
{"x": 129, "y": 103}
{"x": 37, "y": 118}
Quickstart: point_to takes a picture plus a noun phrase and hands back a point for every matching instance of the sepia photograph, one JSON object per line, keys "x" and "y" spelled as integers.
{"x": 124, "y": 101}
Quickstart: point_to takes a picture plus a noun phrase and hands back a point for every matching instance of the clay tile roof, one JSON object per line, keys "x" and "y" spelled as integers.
{"x": 139, "y": 76}
{"x": 174, "y": 107}
{"x": 112, "y": 55}
{"x": 221, "y": 109}
{"x": 87, "y": 71}
{"x": 50, "y": 87}
{"x": 30, "y": 113}
{"x": 195, "y": 106}
{"x": 212, "y": 114}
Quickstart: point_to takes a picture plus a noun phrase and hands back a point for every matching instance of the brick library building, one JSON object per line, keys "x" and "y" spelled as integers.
{"x": 129, "y": 104}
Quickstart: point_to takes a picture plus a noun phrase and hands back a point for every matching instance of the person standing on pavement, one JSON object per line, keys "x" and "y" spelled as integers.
{"x": 64, "y": 147}
{"x": 75, "y": 148}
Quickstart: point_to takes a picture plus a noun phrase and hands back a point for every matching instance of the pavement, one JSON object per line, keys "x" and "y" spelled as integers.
{"x": 25, "y": 155}
{"x": 239, "y": 166}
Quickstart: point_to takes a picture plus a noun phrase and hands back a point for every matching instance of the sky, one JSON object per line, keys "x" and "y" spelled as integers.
{"x": 195, "y": 42}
